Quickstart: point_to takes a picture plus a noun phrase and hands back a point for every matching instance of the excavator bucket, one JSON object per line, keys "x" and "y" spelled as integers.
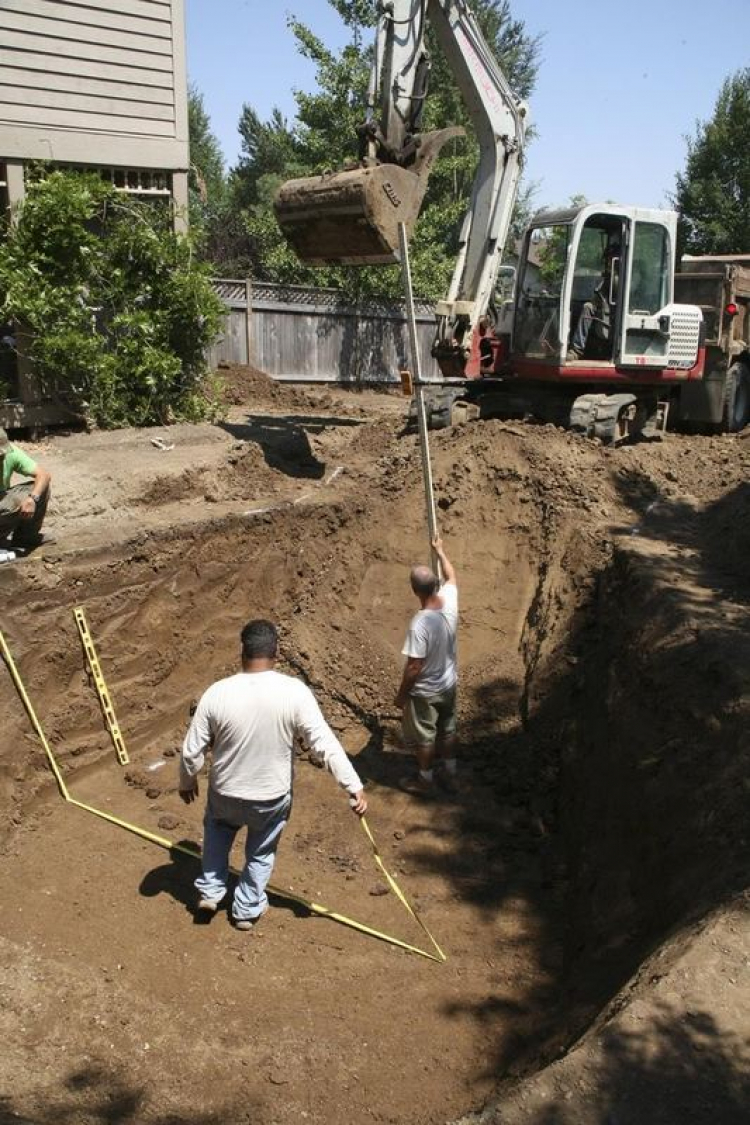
{"x": 349, "y": 218}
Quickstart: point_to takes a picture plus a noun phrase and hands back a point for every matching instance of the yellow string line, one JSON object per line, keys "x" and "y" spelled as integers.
{"x": 315, "y": 907}
{"x": 169, "y": 845}
{"x": 397, "y": 890}
{"x": 32, "y": 715}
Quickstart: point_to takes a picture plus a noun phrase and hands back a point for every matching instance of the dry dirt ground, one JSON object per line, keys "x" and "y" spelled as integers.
{"x": 588, "y": 888}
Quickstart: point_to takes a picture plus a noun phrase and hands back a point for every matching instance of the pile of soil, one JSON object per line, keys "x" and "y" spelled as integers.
{"x": 244, "y": 475}
{"x": 245, "y": 385}
{"x": 604, "y": 628}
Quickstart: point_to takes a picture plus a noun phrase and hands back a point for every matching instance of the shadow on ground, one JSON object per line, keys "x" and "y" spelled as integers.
{"x": 177, "y": 879}
{"x": 677, "y": 1070}
{"x": 100, "y": 1094}
{"x": 285, "y": 442}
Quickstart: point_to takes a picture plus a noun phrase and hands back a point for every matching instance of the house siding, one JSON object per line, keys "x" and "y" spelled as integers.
{"x": 96, "y": 81}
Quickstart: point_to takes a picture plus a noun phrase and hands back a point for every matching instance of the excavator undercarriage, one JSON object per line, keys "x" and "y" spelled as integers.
{"x": 610, "y": 418}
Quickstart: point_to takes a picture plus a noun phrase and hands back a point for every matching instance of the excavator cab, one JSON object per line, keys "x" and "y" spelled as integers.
{"x": 595, "y": 290}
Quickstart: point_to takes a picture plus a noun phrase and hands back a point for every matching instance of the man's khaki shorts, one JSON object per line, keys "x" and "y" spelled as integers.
{"x": 428, "y": 718}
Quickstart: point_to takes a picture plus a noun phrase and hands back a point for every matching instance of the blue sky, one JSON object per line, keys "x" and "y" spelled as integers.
{"x": 619, "y": 85}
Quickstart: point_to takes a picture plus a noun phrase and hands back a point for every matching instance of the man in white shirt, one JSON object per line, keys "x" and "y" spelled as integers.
{"x": 249, "y": 722}
{"x": 427, "y": 694}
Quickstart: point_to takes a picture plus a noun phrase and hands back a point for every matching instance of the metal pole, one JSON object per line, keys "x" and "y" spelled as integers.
{"x": 424, "y": 445}
{"x": 249, "y": 320}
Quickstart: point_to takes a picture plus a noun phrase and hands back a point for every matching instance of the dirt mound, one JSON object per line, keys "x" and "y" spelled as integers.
{"x": 729, "y": 521}
{"x": 244, "y": 476}
{"x": 247, "y": 386}
{"x": 671, "y": 1049}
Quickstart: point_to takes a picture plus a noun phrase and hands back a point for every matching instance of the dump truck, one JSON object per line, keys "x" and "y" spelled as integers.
{"x": 720, "y": 286}
{"x": 592, "y": 337}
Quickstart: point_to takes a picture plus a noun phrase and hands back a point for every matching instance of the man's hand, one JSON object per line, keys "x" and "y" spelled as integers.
{"x": 28, "y": 508}
{"x": 400, "y": 701}
{"x": 358, "y": 802}
{"x": 189, "y": 795}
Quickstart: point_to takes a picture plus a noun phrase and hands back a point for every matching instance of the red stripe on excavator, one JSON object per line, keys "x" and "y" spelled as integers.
{"x": 582, "y": 372}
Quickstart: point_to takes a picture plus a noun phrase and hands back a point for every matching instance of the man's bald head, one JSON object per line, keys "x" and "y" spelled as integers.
{"x": 424, "y": 582}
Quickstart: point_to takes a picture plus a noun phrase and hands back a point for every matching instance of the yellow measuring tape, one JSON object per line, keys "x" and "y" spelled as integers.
{"x": 163, "y": 842}
{"x": 102, "y": 690}
{"x": 32, "y": 715}
{"x": 397, "y": 890}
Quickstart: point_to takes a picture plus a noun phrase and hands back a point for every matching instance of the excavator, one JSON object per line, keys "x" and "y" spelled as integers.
{"x": 591, "y": 337}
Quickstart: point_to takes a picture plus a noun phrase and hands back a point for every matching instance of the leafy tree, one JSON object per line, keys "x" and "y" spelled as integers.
{"x": 713, "y": 192}
{"x": 268, "y": 149}
{"x": 115, "y": 313}
{"x": 211, "y": 216}
{"x": 324, "y": 136}
{"x": 207, "y": 181}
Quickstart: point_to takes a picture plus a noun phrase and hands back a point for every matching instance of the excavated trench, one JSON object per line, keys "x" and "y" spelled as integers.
{"x": 603, "y": 733}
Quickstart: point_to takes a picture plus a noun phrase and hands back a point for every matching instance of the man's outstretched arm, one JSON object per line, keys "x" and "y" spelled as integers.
{"x": 449, "y": 573}
{"x": 324, "y": 746}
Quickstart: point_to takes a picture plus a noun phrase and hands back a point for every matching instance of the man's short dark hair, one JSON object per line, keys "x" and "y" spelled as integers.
{"x": 259, "y": 639}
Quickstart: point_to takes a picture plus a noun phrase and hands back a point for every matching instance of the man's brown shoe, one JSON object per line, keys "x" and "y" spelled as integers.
{"x": 448, "y": 782}
{"x": 418, "y": 787}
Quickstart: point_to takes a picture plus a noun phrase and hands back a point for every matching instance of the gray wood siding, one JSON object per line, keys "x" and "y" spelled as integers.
{"x": 113, "y": 69}
{"x": 313, "y": 335}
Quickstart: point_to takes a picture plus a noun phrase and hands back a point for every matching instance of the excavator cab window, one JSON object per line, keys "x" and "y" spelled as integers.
{"x": 649, "y": 277}
{"x": 537, "y": 326}
{"x": 595, "y": 290}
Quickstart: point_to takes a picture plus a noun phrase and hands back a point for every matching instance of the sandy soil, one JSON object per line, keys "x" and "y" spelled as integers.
{"x": 604, "y": 704}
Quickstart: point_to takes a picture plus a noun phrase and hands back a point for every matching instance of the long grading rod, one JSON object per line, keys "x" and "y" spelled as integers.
{"x": 424, "y": 443}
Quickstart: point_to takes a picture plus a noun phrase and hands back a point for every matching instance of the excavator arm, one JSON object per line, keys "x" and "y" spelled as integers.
{"x": 351, "y": 217}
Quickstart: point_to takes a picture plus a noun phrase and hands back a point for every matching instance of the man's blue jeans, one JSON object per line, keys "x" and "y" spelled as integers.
{"x": 265, "y": 821}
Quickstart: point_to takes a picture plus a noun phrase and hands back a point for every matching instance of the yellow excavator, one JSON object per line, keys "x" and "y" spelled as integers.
{"x": 591, "y": 338}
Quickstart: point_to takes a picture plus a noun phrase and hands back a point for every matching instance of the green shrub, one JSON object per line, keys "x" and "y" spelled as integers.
{"x": 116, "y": 314}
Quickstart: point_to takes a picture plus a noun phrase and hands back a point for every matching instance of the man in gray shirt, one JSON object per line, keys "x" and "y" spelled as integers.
{"x": 427, "y": 695}
{"x": 249, "y": 721}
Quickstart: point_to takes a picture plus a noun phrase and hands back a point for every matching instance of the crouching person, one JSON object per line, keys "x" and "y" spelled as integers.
{"x": 23, "y": 506}
{"x": 249, "y": 722}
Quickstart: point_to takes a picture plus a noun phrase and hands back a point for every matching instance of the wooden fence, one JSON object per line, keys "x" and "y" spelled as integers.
{"x": 317, "y": 335}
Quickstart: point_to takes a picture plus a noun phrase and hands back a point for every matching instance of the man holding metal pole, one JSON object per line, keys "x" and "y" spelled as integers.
{"x": 427, "y": 695}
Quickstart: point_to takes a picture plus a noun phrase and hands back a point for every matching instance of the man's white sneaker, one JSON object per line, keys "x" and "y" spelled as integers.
{"x": 248, "y": 923}
{"x": 208, "y": 905}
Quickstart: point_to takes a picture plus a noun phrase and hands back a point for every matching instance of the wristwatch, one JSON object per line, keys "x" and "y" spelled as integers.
{"x": 36, "y": 500}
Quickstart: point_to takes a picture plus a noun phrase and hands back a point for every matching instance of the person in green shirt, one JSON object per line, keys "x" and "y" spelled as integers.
{"x": 22, "y": 506}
